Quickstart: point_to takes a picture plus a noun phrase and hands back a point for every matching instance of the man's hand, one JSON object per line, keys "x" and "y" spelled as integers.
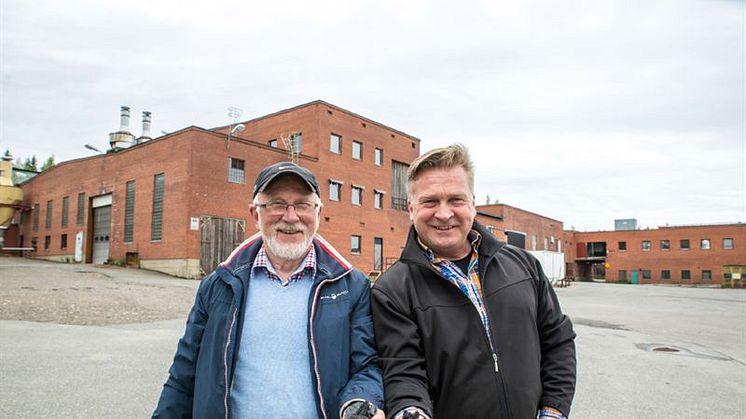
{"x": 362, "y": 410}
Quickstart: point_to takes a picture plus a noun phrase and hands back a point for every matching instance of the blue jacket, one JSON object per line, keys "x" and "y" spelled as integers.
{"x": 344, "y": 361}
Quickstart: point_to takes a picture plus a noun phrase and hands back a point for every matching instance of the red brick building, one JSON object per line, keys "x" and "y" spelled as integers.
{"x": 522, "y": 228}
{"x": 703, "y": 254}
{"x": 540, "y": 235}
{"x": 179, "y": 203}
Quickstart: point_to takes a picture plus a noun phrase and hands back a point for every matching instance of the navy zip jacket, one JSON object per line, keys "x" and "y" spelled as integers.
{"x": 344, "y": 362}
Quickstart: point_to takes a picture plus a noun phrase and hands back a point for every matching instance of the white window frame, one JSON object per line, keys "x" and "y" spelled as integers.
{"x": 378, "y": 197}
{"x": 335, "y": 139}
{"x": 379, "y": 157}
{"x": 335, "y": 185}
{"x": 236, "y": 175}
{"x": 359, "y": 249}
{"x": 359, "y": 146}
{"x": 357, "y": 195}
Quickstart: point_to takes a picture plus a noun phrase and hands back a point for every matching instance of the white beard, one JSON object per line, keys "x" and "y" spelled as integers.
{"x": 289, "y": 251}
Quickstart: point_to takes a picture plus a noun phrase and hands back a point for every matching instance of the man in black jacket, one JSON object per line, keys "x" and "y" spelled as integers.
{"x": 467, "y": 326}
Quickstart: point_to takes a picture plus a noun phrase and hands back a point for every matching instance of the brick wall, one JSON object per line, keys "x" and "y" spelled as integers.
{"x": 195, "y": 164}
{"x": 674, "y": 259}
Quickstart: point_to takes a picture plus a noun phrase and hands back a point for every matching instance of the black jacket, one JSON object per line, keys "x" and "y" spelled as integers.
{"x": 435, "y": 354}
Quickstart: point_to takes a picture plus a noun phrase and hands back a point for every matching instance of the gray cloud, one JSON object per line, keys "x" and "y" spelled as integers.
{"x": 583, "y": 111}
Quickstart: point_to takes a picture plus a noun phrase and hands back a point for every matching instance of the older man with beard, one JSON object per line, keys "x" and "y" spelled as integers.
{"x": 282, "y": 329}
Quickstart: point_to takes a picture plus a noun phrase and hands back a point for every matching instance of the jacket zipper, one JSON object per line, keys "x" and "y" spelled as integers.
{"x": 487, "y": 337}
{"x": 313, "y": 342}
{"x": 225, "y": 361}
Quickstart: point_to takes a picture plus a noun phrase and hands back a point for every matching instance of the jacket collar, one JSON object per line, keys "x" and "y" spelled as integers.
{"x": 328, "y": 260}
{"x": 488, "y": 246}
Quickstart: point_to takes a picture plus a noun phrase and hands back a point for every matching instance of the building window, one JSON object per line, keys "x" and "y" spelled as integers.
{"x": 273, "y": 143}
{"x": 646, "y": 274}
{"x": 727, "y": 244}
{"x": 235, "y": 170}
{"x": 357, "y": 150}
{"x": 335, "y": 144}
{"x": 355, "y": 244}
{"x": 533, "y": 242}
{"x": 81, "y": 208}
{"x": 684, "y": 244}
{"x": 706, "y": 275}
{"x": 47, "y": 242}
{"x": 48, "y": 222}
{"x": 399, "y": 186}
{"x": 37, "y": 209}
{"x": 65, "y": 210}
{"x": 686, "y": 274}
{"x": 546, "y": 243}
{"x": 378, "y": 199}
{"x": 379, "y": 157}
{"x": 63, "y": 241}
{"x": 665, "y": 245}
{"x": 622, "y": 246}
{"x": 156, "y": 225}
{"x": 665, "y": 274}
{"x": 646, "y": 245}
{"x": 296, "y": 142}
{"x": 129, "y": 212}
{"x": 34, "y": 243}
{"x": 704, "y": 244}
{"x": 335, "y": 190}
{"x": 622, "y": 275}
{"x": 357, "y": 195}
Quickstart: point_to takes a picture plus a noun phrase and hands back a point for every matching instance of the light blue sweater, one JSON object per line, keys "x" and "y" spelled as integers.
{"x": 273, "y": 376}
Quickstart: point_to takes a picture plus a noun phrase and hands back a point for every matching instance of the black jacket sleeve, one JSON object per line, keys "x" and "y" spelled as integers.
{"x": 400, "y": 350}
{"x": 556, "y": 334}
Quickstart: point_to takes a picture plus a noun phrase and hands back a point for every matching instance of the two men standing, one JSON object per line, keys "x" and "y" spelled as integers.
{"x": 466, "y": 326}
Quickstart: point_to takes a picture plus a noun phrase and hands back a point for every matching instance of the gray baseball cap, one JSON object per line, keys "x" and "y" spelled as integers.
{"x": 269, "y": 173}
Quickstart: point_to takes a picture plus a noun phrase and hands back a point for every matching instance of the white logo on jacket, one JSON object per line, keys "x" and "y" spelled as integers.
{"x": 333, "y": 296}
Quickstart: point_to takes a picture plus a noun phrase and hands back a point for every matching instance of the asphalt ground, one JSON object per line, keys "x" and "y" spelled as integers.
{"x": 643, "y": 351}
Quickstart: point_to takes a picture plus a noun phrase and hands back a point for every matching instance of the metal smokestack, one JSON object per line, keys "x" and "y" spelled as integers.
{"x": 146, "y": 119}
{"x": 122, "y": 138}
{"x": 124, "y": 125}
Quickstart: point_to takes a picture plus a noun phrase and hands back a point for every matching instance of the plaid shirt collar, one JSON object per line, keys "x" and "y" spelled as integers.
{"x": 474, "y": 238}
{"x": 309, "y": 264}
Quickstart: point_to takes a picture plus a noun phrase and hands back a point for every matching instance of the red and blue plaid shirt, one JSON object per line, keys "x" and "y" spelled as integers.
{"x": 309, "y": 264}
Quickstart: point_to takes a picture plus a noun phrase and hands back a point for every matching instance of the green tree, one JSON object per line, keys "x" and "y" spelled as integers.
{"x": 30, "y": 164}
{"x": 48, "y": 163}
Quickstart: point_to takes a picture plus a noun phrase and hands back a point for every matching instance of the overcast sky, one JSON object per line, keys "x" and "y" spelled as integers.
{"x": 583, "y": 111}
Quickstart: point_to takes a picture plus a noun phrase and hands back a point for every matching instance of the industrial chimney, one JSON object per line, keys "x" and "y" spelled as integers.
{"x": 122, "y": 138}
{"x": 145, "y": 128}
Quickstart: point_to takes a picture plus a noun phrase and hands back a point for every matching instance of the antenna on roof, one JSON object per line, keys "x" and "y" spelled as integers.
{"x": 293, "y": 141}
{"x": 233, "y": 114}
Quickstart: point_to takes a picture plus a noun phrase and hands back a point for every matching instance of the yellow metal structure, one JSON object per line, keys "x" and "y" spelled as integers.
{"x": 10, "y": 196}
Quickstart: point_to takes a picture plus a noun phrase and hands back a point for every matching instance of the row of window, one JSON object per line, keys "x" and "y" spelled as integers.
{"x": 48, "y": 242}
{"x": 356, "y": 244}
{"x": 335, "y": 194}
{"x": 65, "y": 213}
{"x": 684, "y": 244}
{"x": 335, "y": 146}
{"x": 156, "y": 220}
{"x": 156, "y": 232}
{"x": 684, "y": 274}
